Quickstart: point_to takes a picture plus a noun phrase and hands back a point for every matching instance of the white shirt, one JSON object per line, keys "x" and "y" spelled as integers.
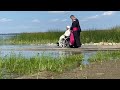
{"x": 67, "y": 32}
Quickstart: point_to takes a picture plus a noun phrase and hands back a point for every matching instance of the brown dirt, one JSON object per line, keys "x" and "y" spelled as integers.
{"x": 96, "y": 70}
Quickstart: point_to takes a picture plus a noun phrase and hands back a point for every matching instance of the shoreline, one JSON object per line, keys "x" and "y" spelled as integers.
{"x": 45, "y": 47}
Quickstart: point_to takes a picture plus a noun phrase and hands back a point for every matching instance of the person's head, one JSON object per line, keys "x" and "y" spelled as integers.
{"x": 72, "y": 17}
{"x": 68, "y": 27}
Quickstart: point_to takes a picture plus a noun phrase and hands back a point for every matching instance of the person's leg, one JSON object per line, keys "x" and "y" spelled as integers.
{"x": 75, "y": 39}
{"x": 71, "y": 46}
{"x": 78, "y": 39}
{"x": 57, "y": 43}
{"x": 60, "y": 40}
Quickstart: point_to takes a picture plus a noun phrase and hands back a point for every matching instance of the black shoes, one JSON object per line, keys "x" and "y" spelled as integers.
{"x": 57, "y": 44}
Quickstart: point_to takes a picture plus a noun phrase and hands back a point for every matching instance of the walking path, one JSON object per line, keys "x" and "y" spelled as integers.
{"x": 83, "y": 48}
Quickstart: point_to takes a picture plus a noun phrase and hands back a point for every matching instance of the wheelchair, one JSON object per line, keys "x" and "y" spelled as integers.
{"x": 65, "y": 42}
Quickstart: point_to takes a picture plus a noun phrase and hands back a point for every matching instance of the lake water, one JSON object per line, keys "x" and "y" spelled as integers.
{"x": 6, "y": 36}
{"x": 7, "y": 49}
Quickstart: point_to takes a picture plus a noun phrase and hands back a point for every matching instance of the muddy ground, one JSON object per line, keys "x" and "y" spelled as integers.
{"x": 96, "y": 70}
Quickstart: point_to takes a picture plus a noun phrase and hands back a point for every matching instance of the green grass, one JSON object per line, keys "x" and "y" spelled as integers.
{"x": 37, "y": 38}
{"x": 20, "y": 65}
{"x": 105, "y": 55}
{"x": 52, "y": 36}
{"x": 96, "y": 36}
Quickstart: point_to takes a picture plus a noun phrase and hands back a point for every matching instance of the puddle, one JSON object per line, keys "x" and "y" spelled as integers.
{"x": 7, "y": 49}
{"x": 32, "y": 53}
{"x": 87, "y": 55}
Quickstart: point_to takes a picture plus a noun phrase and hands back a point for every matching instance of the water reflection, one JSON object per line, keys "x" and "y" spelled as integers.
{"x": 34, "y": 53}
{"x": 55, "y": 54}
{"x": 87, "y": 55}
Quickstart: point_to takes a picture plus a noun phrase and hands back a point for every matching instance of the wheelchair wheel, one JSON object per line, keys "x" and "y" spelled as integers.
{"x": 65, "y": 43}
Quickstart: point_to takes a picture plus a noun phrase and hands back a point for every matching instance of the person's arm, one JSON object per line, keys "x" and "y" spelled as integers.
{"x": 78, "y": 25}
{"x": 64, "y": 33}
{"x": 73, "y": 25}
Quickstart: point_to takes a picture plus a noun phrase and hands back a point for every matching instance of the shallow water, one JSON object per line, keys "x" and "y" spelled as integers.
{"x": 8, "y": 49}
{"x": 34, "y": 53}
{"x": 87, "y": 55}
{"x": 21, "y": 49}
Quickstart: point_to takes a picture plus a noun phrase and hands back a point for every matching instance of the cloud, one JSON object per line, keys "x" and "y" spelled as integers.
{"x": 5, "y": 20}
{"x": 93, "y": 17}
{"x": 64, "y": 20}
{"x": 36, "y": 21}
{"x": 54, "y": 20}
{"x": 90, "y": 17}
{"x": 58, "y": 11}
{"x": 107, "y": 13}
{"x": 83, "y": 20}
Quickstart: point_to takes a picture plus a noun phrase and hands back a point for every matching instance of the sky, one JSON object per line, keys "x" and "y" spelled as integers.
{"x": 42, "y": 21}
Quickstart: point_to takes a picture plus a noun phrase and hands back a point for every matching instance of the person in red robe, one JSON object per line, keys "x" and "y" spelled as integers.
{"x": 76, "y": 29}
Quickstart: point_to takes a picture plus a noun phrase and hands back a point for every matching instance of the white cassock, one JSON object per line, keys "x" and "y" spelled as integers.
{"x": 67, "y": 33}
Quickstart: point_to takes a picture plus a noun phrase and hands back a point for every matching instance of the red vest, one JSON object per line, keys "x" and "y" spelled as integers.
{"x": 75, "y": 29}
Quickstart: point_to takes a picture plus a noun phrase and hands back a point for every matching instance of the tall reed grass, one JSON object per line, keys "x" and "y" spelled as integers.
{"x": 37, "y": 38}
{"x": 95, "y": 36}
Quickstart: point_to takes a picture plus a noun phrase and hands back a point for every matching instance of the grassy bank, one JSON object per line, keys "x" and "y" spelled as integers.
{"x": 109, "y": 67}
{"x": 105, "y": 55}
{"x": 20, "y": 65}
{"x": 96, "y": 36}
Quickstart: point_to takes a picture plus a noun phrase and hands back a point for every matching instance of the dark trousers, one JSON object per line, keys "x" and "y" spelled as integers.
{"x": 77, "y": 39}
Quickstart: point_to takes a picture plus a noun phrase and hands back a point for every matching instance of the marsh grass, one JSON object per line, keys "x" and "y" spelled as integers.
{"x": 96, "y": 36}
{"x": 20, "y": 65}
{"x": 52, "y": 36}
{"x": 105, "y": 55}
{"x": 37, "y": 38}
